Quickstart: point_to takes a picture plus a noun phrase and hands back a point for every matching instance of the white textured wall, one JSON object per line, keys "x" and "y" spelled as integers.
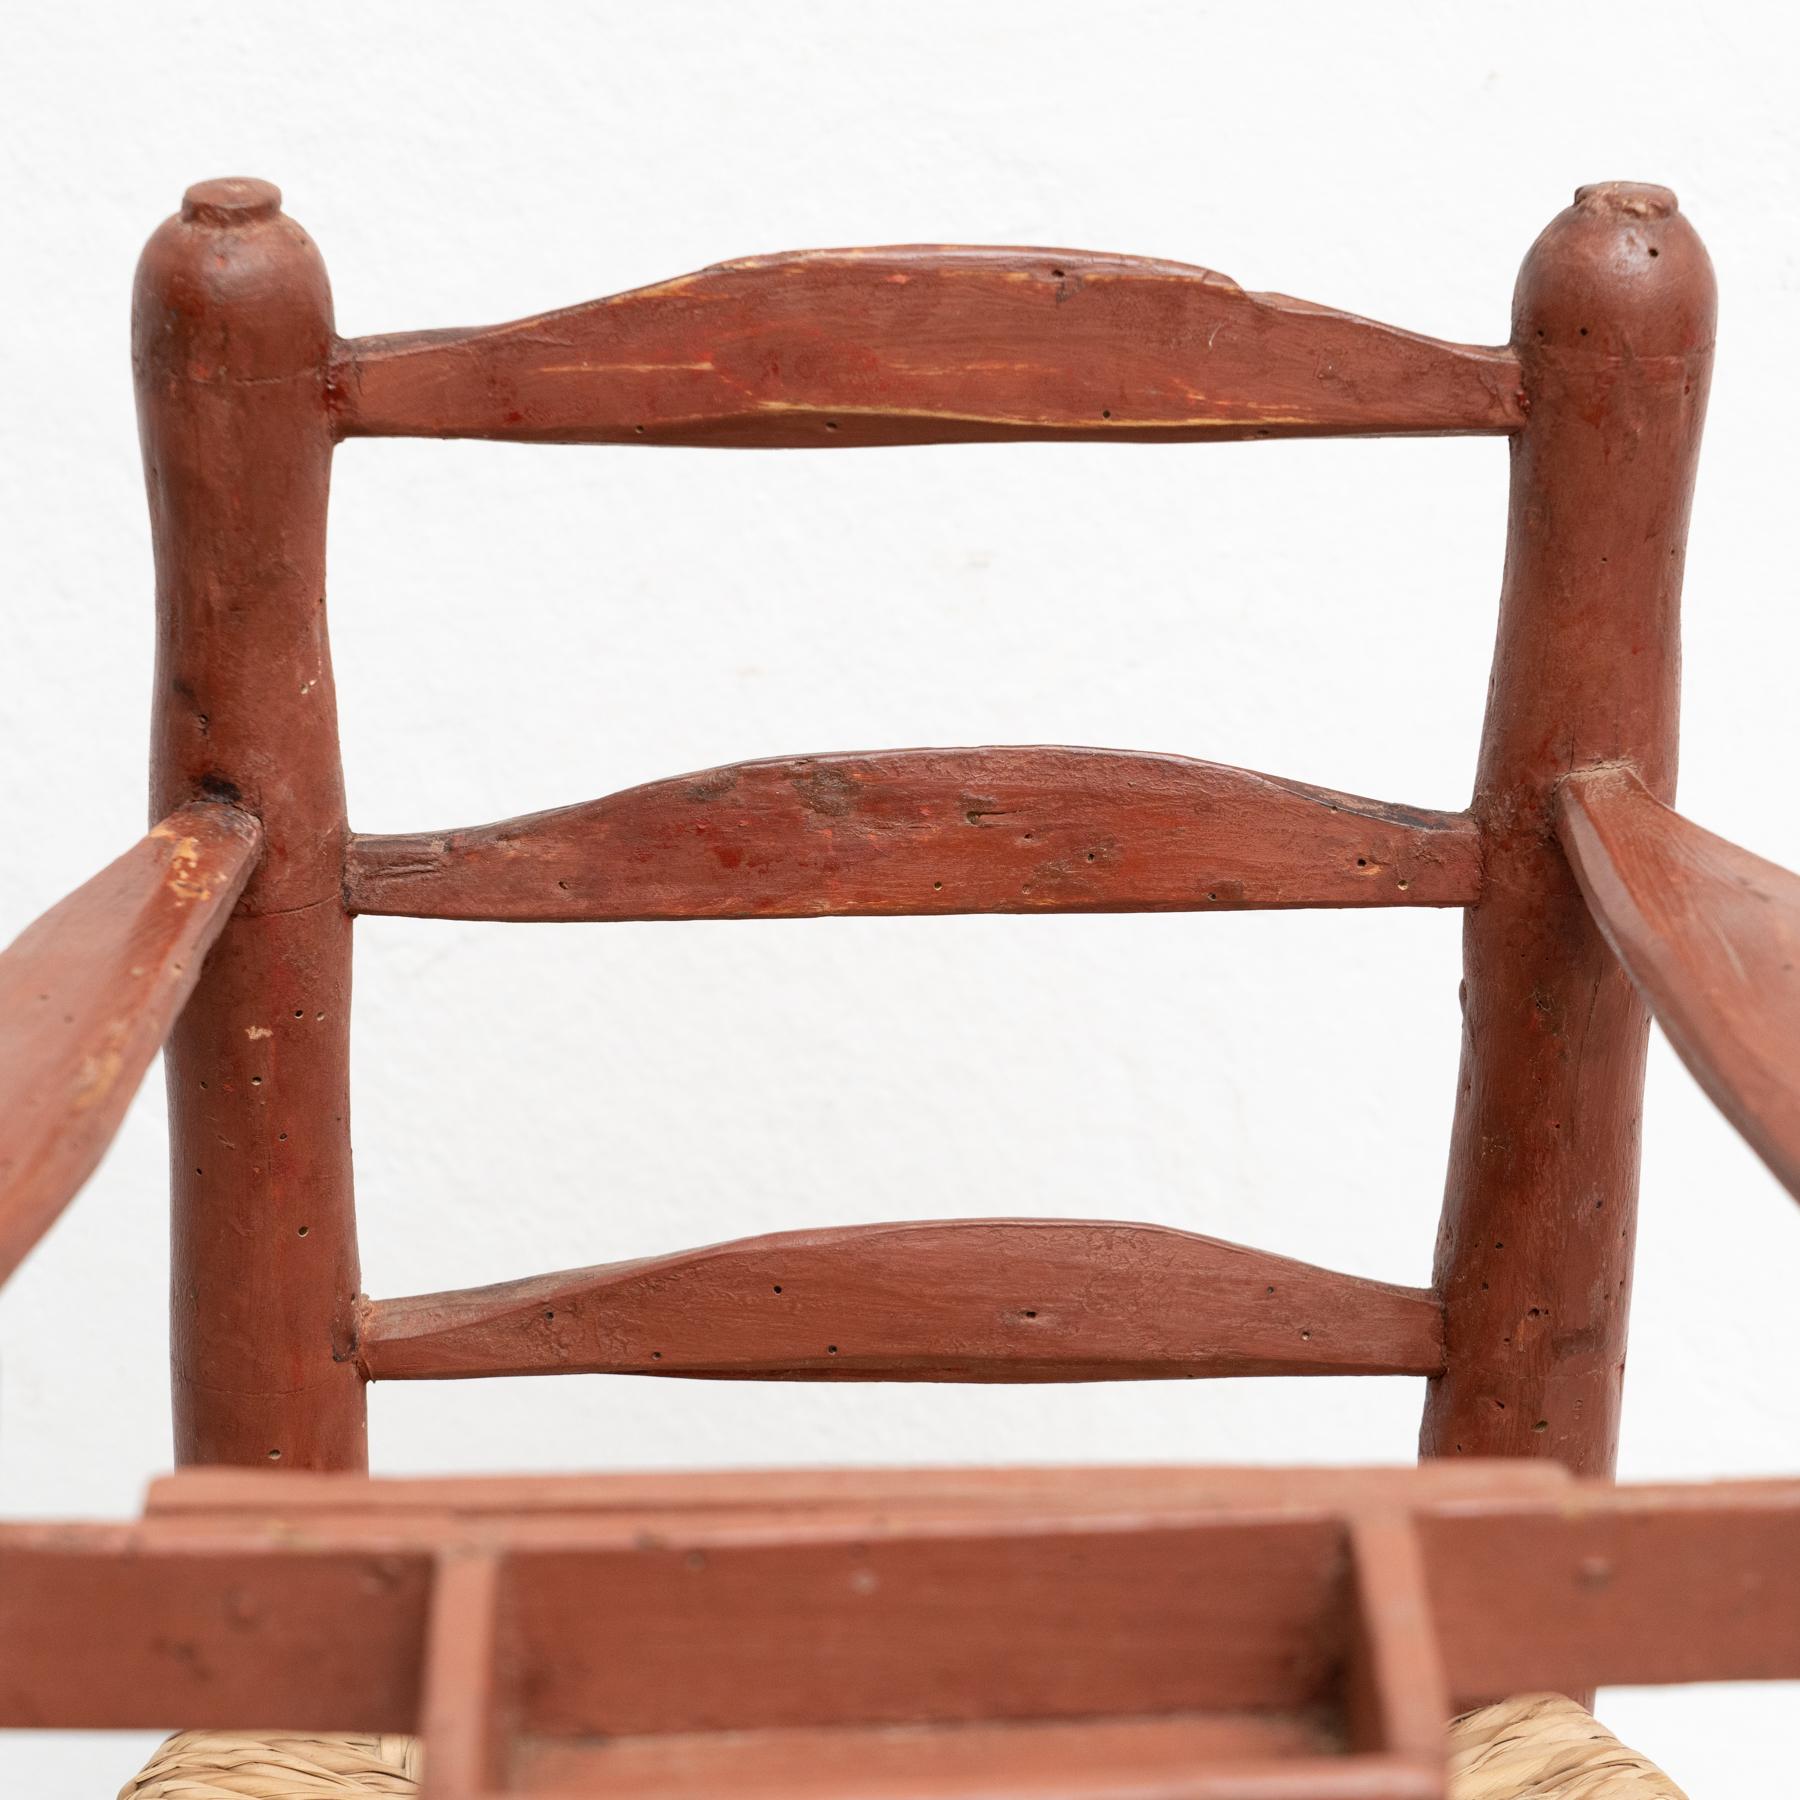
{"x": 517, "y": 628}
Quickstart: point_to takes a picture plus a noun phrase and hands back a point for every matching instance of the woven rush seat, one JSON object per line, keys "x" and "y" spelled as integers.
{"x": 1532, "y": 1747}
{"x": 1545, "y": 1747}
{"x": 276, "y": 1765}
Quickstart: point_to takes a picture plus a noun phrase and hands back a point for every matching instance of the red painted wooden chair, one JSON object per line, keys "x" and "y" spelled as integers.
{"x": 1376, "y": 1600}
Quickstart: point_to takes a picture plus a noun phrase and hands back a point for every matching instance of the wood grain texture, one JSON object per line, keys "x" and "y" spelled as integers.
{"x": 934, "y": 1622}
{"x": 960, "y": 1300}
{"x": 104, "y": 1627}
{"x": 1617, "y": 1586}
{"x": 87, "y": 995}
{"x": 1215, "y": 1608}
{"x": 1185, "y": 1756}
{"x": 1710, "y": 935}
{"x": 231, "y": 329}
{"x": 1027, "y": 829}
{"x": 626, "y": 1502}
{"x": 1394, "y": 1675}
{"x": 461, "y": 1713}
{"x": 919, "y": 345}
{"x": 1613, "y": 321}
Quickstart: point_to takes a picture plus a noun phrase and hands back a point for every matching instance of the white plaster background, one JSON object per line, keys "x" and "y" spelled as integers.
{"x": 516, "y": 628}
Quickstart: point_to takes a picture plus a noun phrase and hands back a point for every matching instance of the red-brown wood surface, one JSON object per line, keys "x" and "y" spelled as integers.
{"x": 944, "y": 1623}
{"x": 925, "y": 344}
{"x": 87, "y": 995}
{"x": 1394, "y": 1677}
{"x": 1613, "y": 322}
{"x": 462, "y": 1713}
{"x": 632, "y": 1501}
{"x": 1187, "y": 1756}
{"x": 1617, "y": 1586}
{"x": 1711, "y": 936}
{"x": 102, "y": 1625}
{"x": 1032, "y": 829}
{"x": 231, "y": 328}
{"x": 958, "y": 1300}
{"x": 637, "y": 1648}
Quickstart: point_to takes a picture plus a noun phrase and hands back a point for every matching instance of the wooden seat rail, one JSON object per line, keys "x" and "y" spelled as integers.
{"x": 1037, "y": 1634}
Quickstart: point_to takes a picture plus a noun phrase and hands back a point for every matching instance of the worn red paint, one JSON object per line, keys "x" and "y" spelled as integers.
{"x": 1235, "y": 1611}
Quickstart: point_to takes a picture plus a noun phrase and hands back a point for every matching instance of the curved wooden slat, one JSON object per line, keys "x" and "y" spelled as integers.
{"x": 1009, "y": 1300}
{"x": 925, "y": 344}
{"x": 1710, "y": 935}
{"x": 930, "y": 831}
{"x": 87, "y": 995}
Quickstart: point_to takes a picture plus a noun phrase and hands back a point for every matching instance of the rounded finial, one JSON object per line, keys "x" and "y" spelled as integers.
{"x": 231, "y": 200}
{"x": 1618, "y": 275}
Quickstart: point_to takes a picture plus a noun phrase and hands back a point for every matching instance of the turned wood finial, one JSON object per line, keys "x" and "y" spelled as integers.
{"x": 1619, "y": 273}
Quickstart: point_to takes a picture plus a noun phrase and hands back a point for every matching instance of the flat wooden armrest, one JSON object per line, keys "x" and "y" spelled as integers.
{"x": 87, "y": 995}
{"x": 1711, "y": 937}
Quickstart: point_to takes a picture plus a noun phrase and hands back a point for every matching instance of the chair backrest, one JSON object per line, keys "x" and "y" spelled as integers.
{"x": 244, "y": 390}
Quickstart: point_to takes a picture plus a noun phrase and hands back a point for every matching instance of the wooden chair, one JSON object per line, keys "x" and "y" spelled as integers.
{"x": 228, "y": 932}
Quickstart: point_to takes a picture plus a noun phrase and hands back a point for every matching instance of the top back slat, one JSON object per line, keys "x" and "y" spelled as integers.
{"x": 926, "y": 344}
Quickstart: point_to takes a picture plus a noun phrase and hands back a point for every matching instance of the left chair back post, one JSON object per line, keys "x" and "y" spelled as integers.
{"x": 231, "y": 341}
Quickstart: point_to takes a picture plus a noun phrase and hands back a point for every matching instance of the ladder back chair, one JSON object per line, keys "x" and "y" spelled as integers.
{"x": 245, "y": 391}
{"x": 1589, "y": 906}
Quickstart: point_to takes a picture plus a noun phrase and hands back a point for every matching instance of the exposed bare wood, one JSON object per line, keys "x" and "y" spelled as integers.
{"x": 957, "y": 1300}
{"x": 206, "y": 1494}
{"x": 87, "y": 995}
{"x": 925, "y": 344}
{"x": 1186, "y": 1756}
{"x": 1029, "y": 829}
{"x": 1710, "y": 935}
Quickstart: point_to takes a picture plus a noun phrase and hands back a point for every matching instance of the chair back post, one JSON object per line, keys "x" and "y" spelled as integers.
{"x": 231, "y": 340}
{"x": 1613, "y": 327}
